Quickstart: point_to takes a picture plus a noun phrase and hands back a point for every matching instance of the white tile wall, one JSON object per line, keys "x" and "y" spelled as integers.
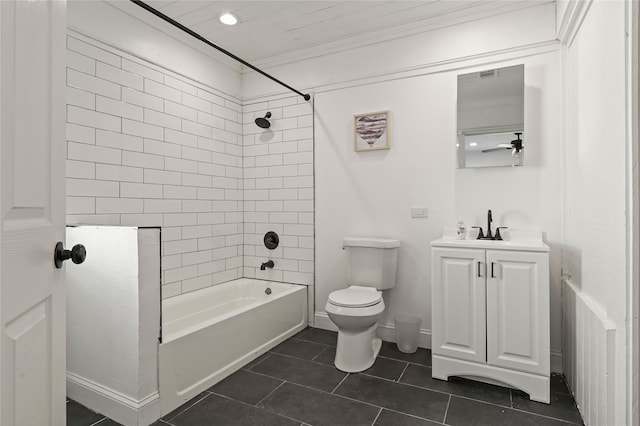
{"x": 278, "y": 189}
{"x": 147, "y": 147}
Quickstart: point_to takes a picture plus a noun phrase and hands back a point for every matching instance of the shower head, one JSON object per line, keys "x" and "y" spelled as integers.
{"x": 263, "y": 121}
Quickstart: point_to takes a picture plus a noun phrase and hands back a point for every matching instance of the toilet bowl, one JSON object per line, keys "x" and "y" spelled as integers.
{"x": 355, "y": 310}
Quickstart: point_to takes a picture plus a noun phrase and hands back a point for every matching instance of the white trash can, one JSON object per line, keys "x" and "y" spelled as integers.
{"x": 407, "y": 333}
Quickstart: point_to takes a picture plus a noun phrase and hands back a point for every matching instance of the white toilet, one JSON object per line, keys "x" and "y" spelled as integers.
{"x": 355, "y": 310}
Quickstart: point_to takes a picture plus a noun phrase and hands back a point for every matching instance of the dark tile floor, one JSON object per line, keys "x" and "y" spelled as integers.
{"x": 296, "y": 384}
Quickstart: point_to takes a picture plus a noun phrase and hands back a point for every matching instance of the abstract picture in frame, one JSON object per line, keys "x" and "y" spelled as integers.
{"x": 371, "y": 131}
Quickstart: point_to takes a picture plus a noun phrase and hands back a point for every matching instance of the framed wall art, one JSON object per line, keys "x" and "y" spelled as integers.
{"x": 371, "y": 131}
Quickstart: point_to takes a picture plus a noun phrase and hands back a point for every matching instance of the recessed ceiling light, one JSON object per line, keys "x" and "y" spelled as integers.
{"x": 473, "y": 144}
{"x": 228, "y": 19}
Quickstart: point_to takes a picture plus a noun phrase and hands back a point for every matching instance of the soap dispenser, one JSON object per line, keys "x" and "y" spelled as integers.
{"x": 461, "y": 230}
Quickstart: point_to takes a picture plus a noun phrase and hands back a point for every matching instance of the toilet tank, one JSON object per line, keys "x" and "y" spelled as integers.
{"x": 372, "y": 262}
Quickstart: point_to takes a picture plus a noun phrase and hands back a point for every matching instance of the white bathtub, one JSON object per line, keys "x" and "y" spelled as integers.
{"x": 210, "y": 333}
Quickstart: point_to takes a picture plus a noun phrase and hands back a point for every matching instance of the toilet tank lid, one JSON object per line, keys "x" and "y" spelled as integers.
{"x": 371, "y": 242}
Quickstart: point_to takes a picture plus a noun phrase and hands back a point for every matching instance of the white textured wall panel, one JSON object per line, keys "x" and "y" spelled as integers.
{"x": 278, "y": 189}
{"x": 595, "y": 215}
{"x": 589, "y": 349}
{"x": 147, "y": 147}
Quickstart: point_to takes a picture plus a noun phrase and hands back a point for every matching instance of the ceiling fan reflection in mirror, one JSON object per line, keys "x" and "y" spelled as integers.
{"x": 515, "y": 145}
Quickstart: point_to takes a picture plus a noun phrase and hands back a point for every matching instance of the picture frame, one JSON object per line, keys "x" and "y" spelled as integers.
{"x": 371, "y": 131}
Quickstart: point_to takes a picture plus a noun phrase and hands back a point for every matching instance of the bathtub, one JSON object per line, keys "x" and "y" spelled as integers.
{"x": 210, "y": 333}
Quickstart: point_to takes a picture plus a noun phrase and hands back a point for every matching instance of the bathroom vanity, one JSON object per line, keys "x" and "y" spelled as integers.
{"x": 490, "y": 311}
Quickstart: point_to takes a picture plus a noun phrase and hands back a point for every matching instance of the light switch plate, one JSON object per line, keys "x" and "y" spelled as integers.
{"x": 419, "y": 212}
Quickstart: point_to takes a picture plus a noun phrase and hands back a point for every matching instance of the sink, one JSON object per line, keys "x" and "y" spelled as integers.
{"x": 513, "y": 240}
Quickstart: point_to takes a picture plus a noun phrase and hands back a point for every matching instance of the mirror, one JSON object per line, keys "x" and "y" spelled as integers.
{"x": 491, "y": 118}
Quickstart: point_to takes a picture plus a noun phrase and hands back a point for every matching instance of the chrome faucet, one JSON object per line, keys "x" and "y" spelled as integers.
{"x": 267, "y": 264}
{"x": 481, "y": 235}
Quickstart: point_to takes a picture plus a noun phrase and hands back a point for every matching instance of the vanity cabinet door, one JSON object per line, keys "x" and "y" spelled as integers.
{"x": 518, "y": 310}
{"x": 458, "y": 308}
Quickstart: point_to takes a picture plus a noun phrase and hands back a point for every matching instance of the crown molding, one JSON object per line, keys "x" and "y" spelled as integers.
{"x": 572, "y": 20}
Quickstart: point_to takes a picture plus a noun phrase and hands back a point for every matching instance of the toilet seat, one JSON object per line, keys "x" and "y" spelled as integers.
{"x": 355, "y": 297}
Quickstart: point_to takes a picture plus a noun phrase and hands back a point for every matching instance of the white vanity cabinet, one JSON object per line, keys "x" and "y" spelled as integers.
{"x": 490, "y": 313}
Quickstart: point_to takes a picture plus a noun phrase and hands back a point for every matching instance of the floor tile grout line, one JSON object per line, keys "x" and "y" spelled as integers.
{"x": 311, "y": 387}
{"x": 403, "y": 371}
{"x": 334, "y": 394}
{"x": 266, "y": 356}
{"x": 303, "y": 359}
{"x": 321, "y": 352}
{"x": 341, "y": 381}
{"x": 259, "y": 408}
{"x": 404, "y": 413}
{"x": 512, "y": 408}
{"x": 270, "y": 393}
{"x": 190, "y": 406}
{"x": 99, "y": 421}
{"x": 377, "y": 415}
{"x": 406, "y": 384}
{"x": 404, "y": 360}
{"x": 446, "y": 410}
{"x": 314, "y": 342}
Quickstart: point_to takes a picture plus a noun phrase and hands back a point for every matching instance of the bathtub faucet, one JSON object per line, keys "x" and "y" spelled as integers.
{"x": 267, "y": 264}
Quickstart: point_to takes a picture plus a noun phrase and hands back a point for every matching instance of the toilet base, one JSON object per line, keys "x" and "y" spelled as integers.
{"x": 356, "y": 352}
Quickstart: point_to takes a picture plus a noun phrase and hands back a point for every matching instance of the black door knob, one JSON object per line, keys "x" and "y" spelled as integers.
{"x": 77, "y": 254}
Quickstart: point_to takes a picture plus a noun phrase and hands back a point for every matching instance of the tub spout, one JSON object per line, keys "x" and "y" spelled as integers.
{"x": 267, "y": 264}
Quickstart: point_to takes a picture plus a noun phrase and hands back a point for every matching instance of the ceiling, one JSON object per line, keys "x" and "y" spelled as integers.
{"x": 272, "y": 30}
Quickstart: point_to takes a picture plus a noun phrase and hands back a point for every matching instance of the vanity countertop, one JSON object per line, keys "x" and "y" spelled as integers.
{"x": 513, "y": 240}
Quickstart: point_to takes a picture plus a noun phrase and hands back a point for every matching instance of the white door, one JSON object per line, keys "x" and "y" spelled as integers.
{"x": 32, "y": 134}
{"x": 518, "y": 311}
{"x": 458, "y": 306}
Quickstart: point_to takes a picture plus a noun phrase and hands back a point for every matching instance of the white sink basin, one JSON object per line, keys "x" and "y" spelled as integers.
{"x": 513, "y": 240}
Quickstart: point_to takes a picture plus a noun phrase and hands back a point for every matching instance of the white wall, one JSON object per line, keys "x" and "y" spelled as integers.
{"x": 113, "y": 322}
{"x": 597, "y": 179}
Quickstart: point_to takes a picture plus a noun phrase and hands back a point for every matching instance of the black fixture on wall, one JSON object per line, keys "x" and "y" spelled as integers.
{"x": 263, "y": 122}
{"x": 271, "y": 240}
{"x": 192, "y": 33}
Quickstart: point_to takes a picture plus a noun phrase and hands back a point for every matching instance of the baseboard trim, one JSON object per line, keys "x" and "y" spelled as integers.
{"x": 115, "y": 405}
{"x": 386, "y": 332}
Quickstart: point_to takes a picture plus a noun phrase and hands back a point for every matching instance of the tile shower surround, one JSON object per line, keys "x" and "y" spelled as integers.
{"x": 148, "y": 147}
{"x": 296, "y": 384}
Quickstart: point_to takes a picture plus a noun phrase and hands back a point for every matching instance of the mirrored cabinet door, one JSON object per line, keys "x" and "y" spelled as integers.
{"x": 491, "y": 118}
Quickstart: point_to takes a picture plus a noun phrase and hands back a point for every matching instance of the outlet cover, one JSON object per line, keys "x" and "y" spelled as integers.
{"x": 419, "y": 212}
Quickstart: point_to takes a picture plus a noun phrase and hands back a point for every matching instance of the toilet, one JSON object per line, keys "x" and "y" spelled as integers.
{"x": 355, "y": 310}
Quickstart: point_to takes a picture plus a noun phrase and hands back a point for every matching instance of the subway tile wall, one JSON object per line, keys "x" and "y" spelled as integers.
{"x": 147, "y": 147}
{"x": 278, "y": 189}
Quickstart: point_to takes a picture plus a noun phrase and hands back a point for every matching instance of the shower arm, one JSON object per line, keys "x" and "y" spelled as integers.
{"x": 204, "y": 40}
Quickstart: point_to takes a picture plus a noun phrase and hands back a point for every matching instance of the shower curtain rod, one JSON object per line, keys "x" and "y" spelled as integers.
{"x": 204, "y": 40}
